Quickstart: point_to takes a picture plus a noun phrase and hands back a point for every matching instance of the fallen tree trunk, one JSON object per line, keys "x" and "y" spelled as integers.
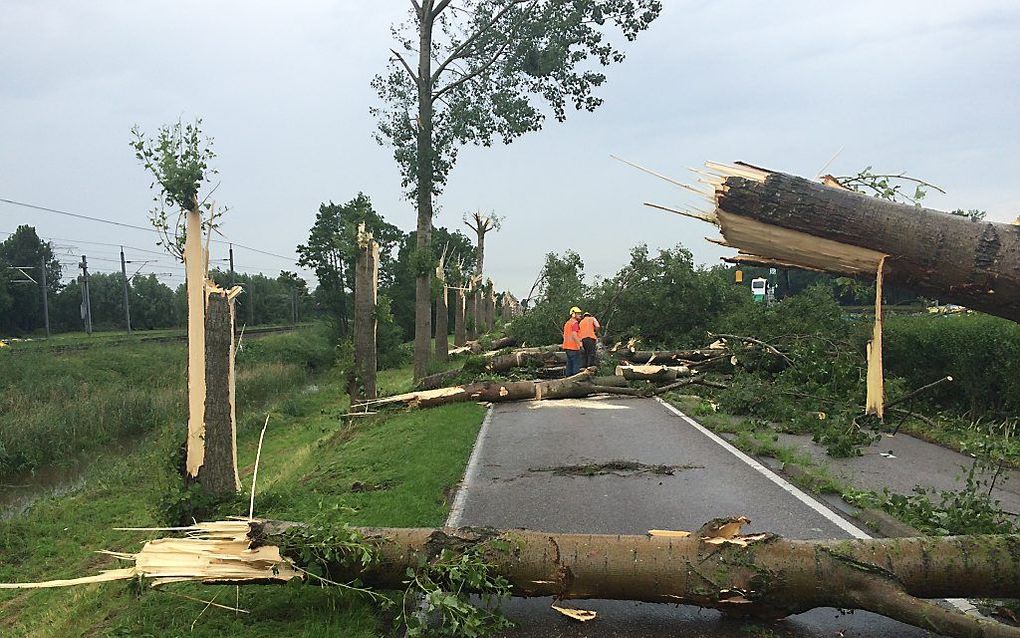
{"x": 576, "y": 386}
{"x": 760, "y": 574}
{"x": 477, "y": 347}
{"x": 778, "y": 219}
{"x": 667, "y": 357}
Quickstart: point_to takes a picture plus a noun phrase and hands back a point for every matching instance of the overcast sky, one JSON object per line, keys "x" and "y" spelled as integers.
{"x": 927, "y": 87}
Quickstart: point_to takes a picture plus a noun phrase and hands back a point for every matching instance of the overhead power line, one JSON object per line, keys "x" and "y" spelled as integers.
{"x": 135, "y": 227}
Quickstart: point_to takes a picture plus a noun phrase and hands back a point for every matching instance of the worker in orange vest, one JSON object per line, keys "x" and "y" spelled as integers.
{"x": 587, "y": 328}
{"x": 572, "y": 342}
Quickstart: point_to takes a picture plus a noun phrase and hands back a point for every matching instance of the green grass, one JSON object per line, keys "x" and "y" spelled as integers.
{"x": 757, "y": 439}
{"x": 56, "y": 407}
{"x": 310, "y": 460}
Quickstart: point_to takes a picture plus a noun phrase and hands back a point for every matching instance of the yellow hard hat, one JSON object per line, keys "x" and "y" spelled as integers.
{"x": 575, "y": 310}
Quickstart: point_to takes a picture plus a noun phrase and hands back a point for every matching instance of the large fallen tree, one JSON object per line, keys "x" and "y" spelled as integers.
{"x": 776, "y": 219}
{"x": 760, "y": 574}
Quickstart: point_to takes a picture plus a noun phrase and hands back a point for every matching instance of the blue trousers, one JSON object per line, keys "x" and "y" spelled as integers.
{"x": 573, "y": 362}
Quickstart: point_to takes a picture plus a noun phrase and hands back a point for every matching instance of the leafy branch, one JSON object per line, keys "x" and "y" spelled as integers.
{"x": 178, "y": 157}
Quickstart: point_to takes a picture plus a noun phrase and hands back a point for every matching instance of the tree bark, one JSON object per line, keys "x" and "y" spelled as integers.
{"x": 423, "y": 239}
{"x": 761, "y": 575}
{"x": 218, "y": 472}
{"x": 576, "y": 386}
{"x": 667, "y": 357}
{"x": 490, "y": 310}
{"x": 459, "y": 324}
{"x": 365, "y": 321}
{"x": 442, "y": 321}
{"x": 781, "y": 220}
{"x": 652, "y": 372}
{"x": 472, "y": 319}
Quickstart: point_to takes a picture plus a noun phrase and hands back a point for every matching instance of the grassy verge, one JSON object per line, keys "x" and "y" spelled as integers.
{"x": 759, "y": 439}
{"x": 393, "y": 469}
{"x": 56, "y": 407}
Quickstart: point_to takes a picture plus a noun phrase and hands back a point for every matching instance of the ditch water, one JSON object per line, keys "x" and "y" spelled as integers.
{"x": 19, "y": 492}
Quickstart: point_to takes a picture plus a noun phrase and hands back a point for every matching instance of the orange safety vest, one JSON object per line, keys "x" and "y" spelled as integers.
{"x": 570, "y": 328}
{"x": 587, "y": 327}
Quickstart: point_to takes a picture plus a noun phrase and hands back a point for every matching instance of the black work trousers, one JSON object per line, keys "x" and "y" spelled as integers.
{"x": 588, "y": 344}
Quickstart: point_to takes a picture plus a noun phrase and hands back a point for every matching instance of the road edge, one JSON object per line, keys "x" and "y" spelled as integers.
{"x": 470, "y": 473}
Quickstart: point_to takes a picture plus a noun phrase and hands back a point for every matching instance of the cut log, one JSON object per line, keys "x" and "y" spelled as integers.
{"x": 716, "y": 567}
{"x": 439, "y": 379}
{"x": 667, "y": 357}
{"x": 651, "y": 372}
{"x": 521, "y": 358}
{"x": 576, "y": 386}
{"x": 777, "y": 218}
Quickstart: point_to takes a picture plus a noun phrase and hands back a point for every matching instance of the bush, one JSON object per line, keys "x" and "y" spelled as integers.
{"x": 980, "y": 352}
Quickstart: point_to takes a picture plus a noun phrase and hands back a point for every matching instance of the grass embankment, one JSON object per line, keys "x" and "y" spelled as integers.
{"x": 394, "y": 470}
{"x": 55, "y": 407}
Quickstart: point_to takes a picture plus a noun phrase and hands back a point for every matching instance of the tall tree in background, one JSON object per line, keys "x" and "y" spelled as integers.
{"x": 481, "y": 225}
{"x": 20, "y": 299}
{"x": 331, "y": 251}
{"x": 487, "y": 68}
{"x": 459, "y": 251}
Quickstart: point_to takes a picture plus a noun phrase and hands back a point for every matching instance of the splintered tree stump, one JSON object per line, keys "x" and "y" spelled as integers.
{"x": 442, "y": 324}
{"x": 459, "y": 319}
{"x": 365, "y": 302}
{"x": 218, "y": 472}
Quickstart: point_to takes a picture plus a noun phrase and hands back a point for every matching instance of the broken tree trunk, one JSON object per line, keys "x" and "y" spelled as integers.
{"x": 442, "y": 323}
{"x": 211, "y": 458}
{"x": 761, "y": 575}
{"x": 578, "y": 386}
{"x": 490, "y": 309}
{"x": 782, "y": 220}
{"x": 459, "y": 320}
{"x": 218, "y": 472}
{"x": 366, "y": 290}
{"x": 471, "y": 315}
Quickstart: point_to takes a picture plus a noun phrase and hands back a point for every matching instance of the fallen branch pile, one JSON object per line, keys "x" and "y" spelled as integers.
{"x": 716, "y": 567}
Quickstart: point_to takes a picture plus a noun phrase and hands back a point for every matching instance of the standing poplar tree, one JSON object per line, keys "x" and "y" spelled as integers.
{"x": 479, "y": 69}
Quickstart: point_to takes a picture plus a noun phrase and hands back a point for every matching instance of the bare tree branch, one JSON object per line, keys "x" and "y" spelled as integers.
{"x": 414, "y": 77}
{"x": 474, "y": 36}
{"x": 439, "y": 7}
{"x": 473, "y": 74}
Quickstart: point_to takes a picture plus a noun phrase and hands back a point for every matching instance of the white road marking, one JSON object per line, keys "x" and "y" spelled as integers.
{"x": 470, "y": 474}
{"x": 795, "y": 491}
{"x": 961, "y": 604}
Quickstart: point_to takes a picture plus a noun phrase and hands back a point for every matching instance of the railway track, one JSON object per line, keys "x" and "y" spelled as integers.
{"x": 250, "y": 333}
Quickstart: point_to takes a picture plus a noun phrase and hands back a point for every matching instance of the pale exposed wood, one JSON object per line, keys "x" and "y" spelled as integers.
{"x": 794, "y": 247}
{"x": 874, "y": 403}
{"x": 194, "y": 264}
{"x": 686, "y": 213}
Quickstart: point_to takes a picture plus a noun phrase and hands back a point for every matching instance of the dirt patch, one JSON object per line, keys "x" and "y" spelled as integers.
{"x": 615, "y": 468}
{"x": 360, "y": 486}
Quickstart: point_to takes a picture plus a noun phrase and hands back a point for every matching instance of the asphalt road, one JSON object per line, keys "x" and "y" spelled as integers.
{"x": 513, "y": 482}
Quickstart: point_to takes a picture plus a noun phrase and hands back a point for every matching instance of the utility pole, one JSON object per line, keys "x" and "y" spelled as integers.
{"x": 127, "y": 302}
{"x": 86, "y": 302}
{"x": 251, "y": 304}
{"x": 293, "y": 306}
{"x": 232, "y": 282}
{"x": 45, "y": 297}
